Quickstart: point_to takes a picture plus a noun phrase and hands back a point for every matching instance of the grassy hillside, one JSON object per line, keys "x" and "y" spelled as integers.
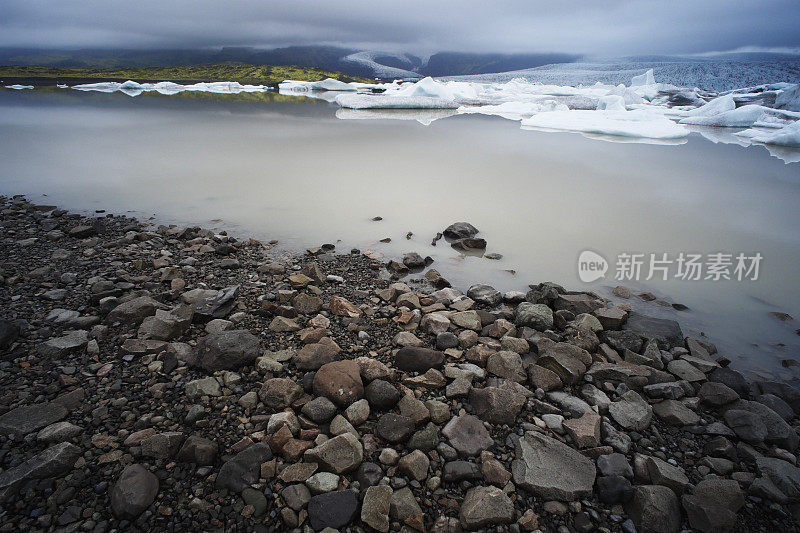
{"x": 261, "y": 74}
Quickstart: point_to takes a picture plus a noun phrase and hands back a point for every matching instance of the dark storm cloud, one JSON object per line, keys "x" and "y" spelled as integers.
{"x": 580, "y": 26}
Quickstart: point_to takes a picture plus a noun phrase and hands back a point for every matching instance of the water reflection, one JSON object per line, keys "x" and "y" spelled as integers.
{"x": 287, "y": 167}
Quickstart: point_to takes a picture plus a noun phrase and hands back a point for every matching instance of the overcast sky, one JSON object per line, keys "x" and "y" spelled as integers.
{"x": 596, "y": 27}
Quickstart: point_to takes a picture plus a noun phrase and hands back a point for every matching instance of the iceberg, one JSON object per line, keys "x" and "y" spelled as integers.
{"x": 328, "y": 84}
{"x": 741, "y": 117}
{"x": 132, "y": 88}
{"x": 424, "y": 116}
{"x": 643, "y": 79}
{"x": 786, "y": 136}
{"x": 611, "y": 102}
{"x": 383, "y": 101}
{"x": 514, "y": 110}
{"x": 789, "y": 98}
{"x": 716, "y": 106}
{"x": 635, "y": 124}
{"x": 18, "y": 87}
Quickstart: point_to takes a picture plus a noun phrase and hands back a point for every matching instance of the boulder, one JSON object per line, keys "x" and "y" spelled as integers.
{"x": 552, "y": 470}
{"x": 415, "y": 359}
{"x": 654, "y": 509}
{"x": 55, "y": 461}
{"x": 227, "y": 350}
{"x": 467, "y": 434}
{"x": 485, "y": 506}
{"x": 340, "y": 382}
{"x": 134, "y": 492}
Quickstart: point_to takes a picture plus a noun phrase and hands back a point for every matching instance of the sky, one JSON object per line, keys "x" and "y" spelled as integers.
{"x": 593, "y": 27}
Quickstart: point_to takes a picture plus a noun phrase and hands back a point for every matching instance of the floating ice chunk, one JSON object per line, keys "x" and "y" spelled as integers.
{"x": 789, "y": 98}
{"x": 423, "y": 116}
{"x": 454, "y": 90}
{"x": 787, "y": 136}
{"x": 382, "y": 101}
{"x": 62, "y": 85}
{"x": 18, "y": 87}
{"x": 716, "y": 106}
{"x": 132, "y": 88}
{"x": 514, "y": 110}
{"x": 741, "y": 117}
{"x": 643, "y": 79}
{"x": 638, "y": 123}
{"x": 611, "y": 102}
{"x": 328, "y": 84}
{"x": 631, "y": 97}
{"x": 103, "y": 87}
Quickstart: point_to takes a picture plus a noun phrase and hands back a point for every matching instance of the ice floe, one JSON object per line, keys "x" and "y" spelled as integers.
{"x": 638, "y": 123}
{"x": 328, "y": 84}
{"x": 132, "y": 88}
{"x": 18, "y": 87}
{"x": 786, "y": 136}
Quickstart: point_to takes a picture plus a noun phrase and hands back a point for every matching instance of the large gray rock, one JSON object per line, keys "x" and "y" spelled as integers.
{"x": 133, "y": 311}
{"x": 713, "y": 505}
{"x": 332, "y": 509}
{"x": 375, "y": 507}
{"x": 552, "y": 470}
{"x": 467, "y": 434}
{"x": 167, "y": 325}
{"x": 53, "y": 462}
{"x": 227, "y": 350}
{"x": 667, "y": 333}
{"x": 210, "y": 304}
{"x": 496, "y": 405}
{"x": 780, "y": 475}
{"x": 339, "y": 455}
{"x": 485, "y": 506}
{"x": 568, "y": 361}
{"x": 654, "y": 509}
{"x": 28, "y": 418}
{"x": 244, "y": 468}
{"x": 675, "y": 413}
{"x": 134, "y": 491}
{"x": 460, "y": 230}
{"x": 778, "y": 431}
{"x": 663, "y": 473}
{"x": 631, "y": 412}
{"x": 485, "y": 294}
{"x": 536, "y": 316}
{"x": 60, "y": 346}
{"x": 415, "y": 359}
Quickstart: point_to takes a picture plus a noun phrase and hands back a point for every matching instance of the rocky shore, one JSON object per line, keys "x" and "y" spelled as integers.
{"x": 173, "y": 379}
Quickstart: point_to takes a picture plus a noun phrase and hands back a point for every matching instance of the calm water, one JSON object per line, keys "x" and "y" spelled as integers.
{"x": 295, "y": 170}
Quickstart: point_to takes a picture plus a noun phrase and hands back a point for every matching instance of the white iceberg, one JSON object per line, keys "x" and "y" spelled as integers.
{"x": 611, "y": 102}
{"x": 18, "y": 87}
{"x": 789, "y": 98}
{"x": 132, "y": 88}
{"x": 643, "y": 79}
{"x": 514, "y": 110}
{"x": 786, "y": 136}
{"x": 424, "y": 116}
{"x": 635, "y": 124}
{"x": 741, "y": 117}
{"x": 383, "y": 101}
{"x": 328, "y": 84}
{"x": 716, "y": 106}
